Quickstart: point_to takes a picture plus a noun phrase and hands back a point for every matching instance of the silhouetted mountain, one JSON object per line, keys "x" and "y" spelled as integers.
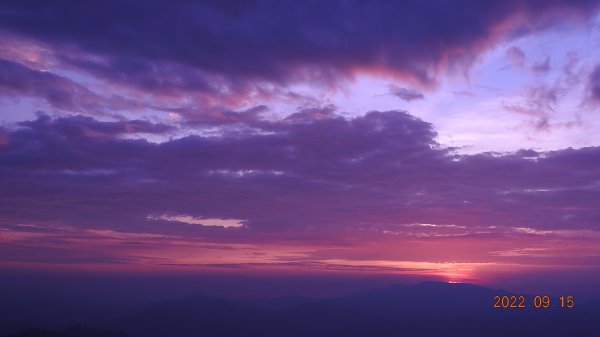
{"x": 427, "y": 309}
{"x": 54, "y": 312}
{"x": 70, "y": 332}
{"x": 195, "y": 316}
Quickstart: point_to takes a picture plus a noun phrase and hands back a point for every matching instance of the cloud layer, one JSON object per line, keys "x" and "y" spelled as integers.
{"x": 197, "y": 46}
{"x": 161, "y": 137}
{"x": 293, "y": 183}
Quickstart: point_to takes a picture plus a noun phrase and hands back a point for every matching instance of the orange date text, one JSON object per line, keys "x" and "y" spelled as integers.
{"x": 536, "y": 302}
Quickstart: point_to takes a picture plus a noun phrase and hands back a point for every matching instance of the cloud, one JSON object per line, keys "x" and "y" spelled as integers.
{"x": 405, "y": 93}
{"x": 79, "y": 127}
{"x": 565, "y": 233}
{"x": 195, "y": 47}
{"x": 594, "y": 84}
{"x": 17, "y": 80}
{"x": 309, "y": 114}
{"x": 518, "y": 59}
{"x": 60, "y": 92}
{"x": 297, "y": 190}
{"x": 221, "y": 116}
{"x": 541, "y": 67}
{"x": 541, "y": 101}
{"x": 538, "y": 101}
{"x": 382, "y": 169}
{"x": 224, "y": 223}
{"x": 516, "y": 56}
{"x": 244, "y": 188}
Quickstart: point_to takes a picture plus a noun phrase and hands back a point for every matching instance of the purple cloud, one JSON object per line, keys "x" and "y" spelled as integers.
{"x": 17, "y": 80}
{"x": 196, "y": 46}
{"x": 384, "y": 168}
{"x": 405, "y": 94}
{"x": 541, "y": 67}
{"x": 78, "y": 127}
{"x": 517, "y": 56}
{"x": 234, "y": 135}
{"x": 539, "y": 101}
{"x": 594, "y": 84}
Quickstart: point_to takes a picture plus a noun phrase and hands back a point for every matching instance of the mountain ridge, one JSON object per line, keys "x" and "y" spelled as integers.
{"x": 425, "y": 309}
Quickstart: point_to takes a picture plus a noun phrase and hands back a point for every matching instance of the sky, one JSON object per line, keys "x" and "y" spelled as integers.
{"x": 420, "y": 140}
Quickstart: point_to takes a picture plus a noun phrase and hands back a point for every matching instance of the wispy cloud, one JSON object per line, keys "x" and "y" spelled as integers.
{"x": 208, "y": 222}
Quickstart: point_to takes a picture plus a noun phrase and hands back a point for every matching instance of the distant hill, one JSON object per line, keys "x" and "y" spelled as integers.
{"x": 428, "y": 309}
{"x": 69, "y": 332}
